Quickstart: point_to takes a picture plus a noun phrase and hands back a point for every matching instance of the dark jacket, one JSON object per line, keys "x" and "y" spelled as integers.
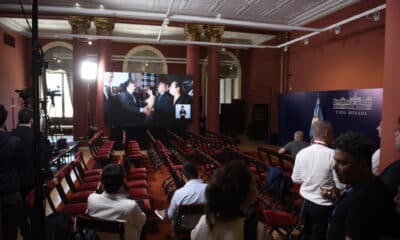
{"x": 129, "y": 103}
{"x": 11, "y": 160}
{"x": 183, "y": 99}
{"x": 164, "y": 103}
{"x": 27, "y": 137}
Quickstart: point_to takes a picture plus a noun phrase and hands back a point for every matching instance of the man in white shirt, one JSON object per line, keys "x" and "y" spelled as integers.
{"x": 376, "y": 155}
{"x": 193, "y": 192}
{"x": 115, "y": 206}
{"x": 313, "y": 169}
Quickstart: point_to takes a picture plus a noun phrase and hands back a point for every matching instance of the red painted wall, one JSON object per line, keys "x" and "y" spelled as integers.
{"x": 13, "y": 74}
{"x": 261, "y": 72}
{"x": 391, "y": 85}
{"x": 351, "y": 60}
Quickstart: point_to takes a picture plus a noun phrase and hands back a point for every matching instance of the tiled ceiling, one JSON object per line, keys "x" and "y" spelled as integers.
{"x": 289, "y": 13}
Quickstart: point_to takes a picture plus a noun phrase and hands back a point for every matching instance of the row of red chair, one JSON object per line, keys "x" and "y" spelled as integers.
{"x": 101, "y": 149}
{"x": 75, "y": 193}
{"x": 221, "y": 140}
{"x": 160, "y": 155}
{"x": 199, "y": 142}
{"x": 178, "y": 143}
{"x": 207, "y": 163}
{"x": 281, "y": 212}
{"x": 275, "y": 159}
{"x": 132, "y": 152}
{"x": 81, "y": 182}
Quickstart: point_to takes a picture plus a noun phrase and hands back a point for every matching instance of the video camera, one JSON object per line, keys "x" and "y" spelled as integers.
{"x": 25, "y": 94}
{"x": 52, "y": 94}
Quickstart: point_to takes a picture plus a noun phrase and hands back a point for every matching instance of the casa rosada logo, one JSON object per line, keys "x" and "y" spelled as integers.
{"x": 353, "y": 105}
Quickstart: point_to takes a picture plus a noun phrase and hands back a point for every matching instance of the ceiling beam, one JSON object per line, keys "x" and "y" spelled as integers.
{"x": 156, "y": 16}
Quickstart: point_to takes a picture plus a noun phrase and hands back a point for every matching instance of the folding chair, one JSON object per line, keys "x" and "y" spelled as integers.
{"x": 99, "y": 225}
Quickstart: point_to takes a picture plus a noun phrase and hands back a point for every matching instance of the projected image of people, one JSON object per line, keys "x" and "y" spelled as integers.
{"x": 136, "y": 99}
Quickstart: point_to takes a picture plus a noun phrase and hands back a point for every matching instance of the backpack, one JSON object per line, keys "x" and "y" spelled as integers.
{"x": 276, "y": 181}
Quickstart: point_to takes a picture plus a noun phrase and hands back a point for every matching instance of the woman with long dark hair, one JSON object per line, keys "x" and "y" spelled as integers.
{"x": 230, "y": 192}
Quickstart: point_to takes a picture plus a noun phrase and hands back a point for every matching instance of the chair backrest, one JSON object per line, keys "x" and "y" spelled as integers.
{"x": 188, "y": 216}
{"x": 99, "y": 225}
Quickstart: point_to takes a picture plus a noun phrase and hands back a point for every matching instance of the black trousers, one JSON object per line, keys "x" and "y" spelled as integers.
{"x": 316, "y": 218}
{"x": 13, "y": 216}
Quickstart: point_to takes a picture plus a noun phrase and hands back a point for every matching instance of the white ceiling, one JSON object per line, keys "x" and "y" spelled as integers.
{"x": 277, "y": 15}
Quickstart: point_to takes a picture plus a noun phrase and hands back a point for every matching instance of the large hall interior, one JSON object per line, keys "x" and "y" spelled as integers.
{"x": 151, "y": 86}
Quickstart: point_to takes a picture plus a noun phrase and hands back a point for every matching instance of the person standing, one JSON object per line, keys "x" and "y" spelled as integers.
{"x": 128, "y": 99}
{"x": 164, "y": 100}
{"x": 164, "y": 106}
{"x": 364, "y": 209}
{"x": 11, "y": 202}
{"x": 24, "y": 131}
{"x": 177, "y": 91}
{"x": 376, "y": 156}
{"x": 313, "y": 169}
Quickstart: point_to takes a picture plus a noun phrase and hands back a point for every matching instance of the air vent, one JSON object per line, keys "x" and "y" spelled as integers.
{"x": 9, "y": 40}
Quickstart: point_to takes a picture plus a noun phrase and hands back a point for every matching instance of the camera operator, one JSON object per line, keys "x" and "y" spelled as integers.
{"x": 24, "y": 131}
{"x": 25, "y": 94}
{"x": 11, "y": 202}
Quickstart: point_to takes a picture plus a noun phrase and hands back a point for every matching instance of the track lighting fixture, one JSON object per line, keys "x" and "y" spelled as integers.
{"x": 285, "y": 48}
{"x": 337, "y": 30}
{"x": 376, "y": 16}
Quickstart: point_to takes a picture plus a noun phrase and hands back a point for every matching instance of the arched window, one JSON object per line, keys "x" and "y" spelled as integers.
{"x": 58, "y": 85}
{"x": 230, "y": 78}
{"x": 145, "y": 58}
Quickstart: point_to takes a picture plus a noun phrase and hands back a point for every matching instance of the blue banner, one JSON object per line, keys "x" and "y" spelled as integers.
{"x": 357, "y": 110}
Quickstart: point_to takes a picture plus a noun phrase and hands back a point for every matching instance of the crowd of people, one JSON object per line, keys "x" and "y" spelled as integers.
{"x": 135, "y": 105}
{"x": 17, "y": 163}
{"x": 342, "y": 199}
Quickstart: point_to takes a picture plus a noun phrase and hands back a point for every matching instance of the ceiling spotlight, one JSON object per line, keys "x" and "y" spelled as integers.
{"x": 306, "y": 41}
{"x": 219, "y": 16}
{"x": 376, "y": 16}
{"x": 230, "y": 67}
{"x": 146, "y": 64}
{"x": 54, "y": 58}
{"x": 165, "y": 22}
{"x": 337, "y": 30}
{"x": 58, "y": 61}
{"x": 89, "y": 42}
{"x": 101, "y": 6}
{"x": 285, "y": 48}
{"x": 77, "y": 4}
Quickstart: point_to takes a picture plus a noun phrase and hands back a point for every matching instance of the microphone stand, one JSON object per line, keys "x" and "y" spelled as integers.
{"x": 38, "y": 228}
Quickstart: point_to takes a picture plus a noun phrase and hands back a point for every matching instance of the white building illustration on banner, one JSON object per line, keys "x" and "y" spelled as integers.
{"x": 353, "y": 103}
